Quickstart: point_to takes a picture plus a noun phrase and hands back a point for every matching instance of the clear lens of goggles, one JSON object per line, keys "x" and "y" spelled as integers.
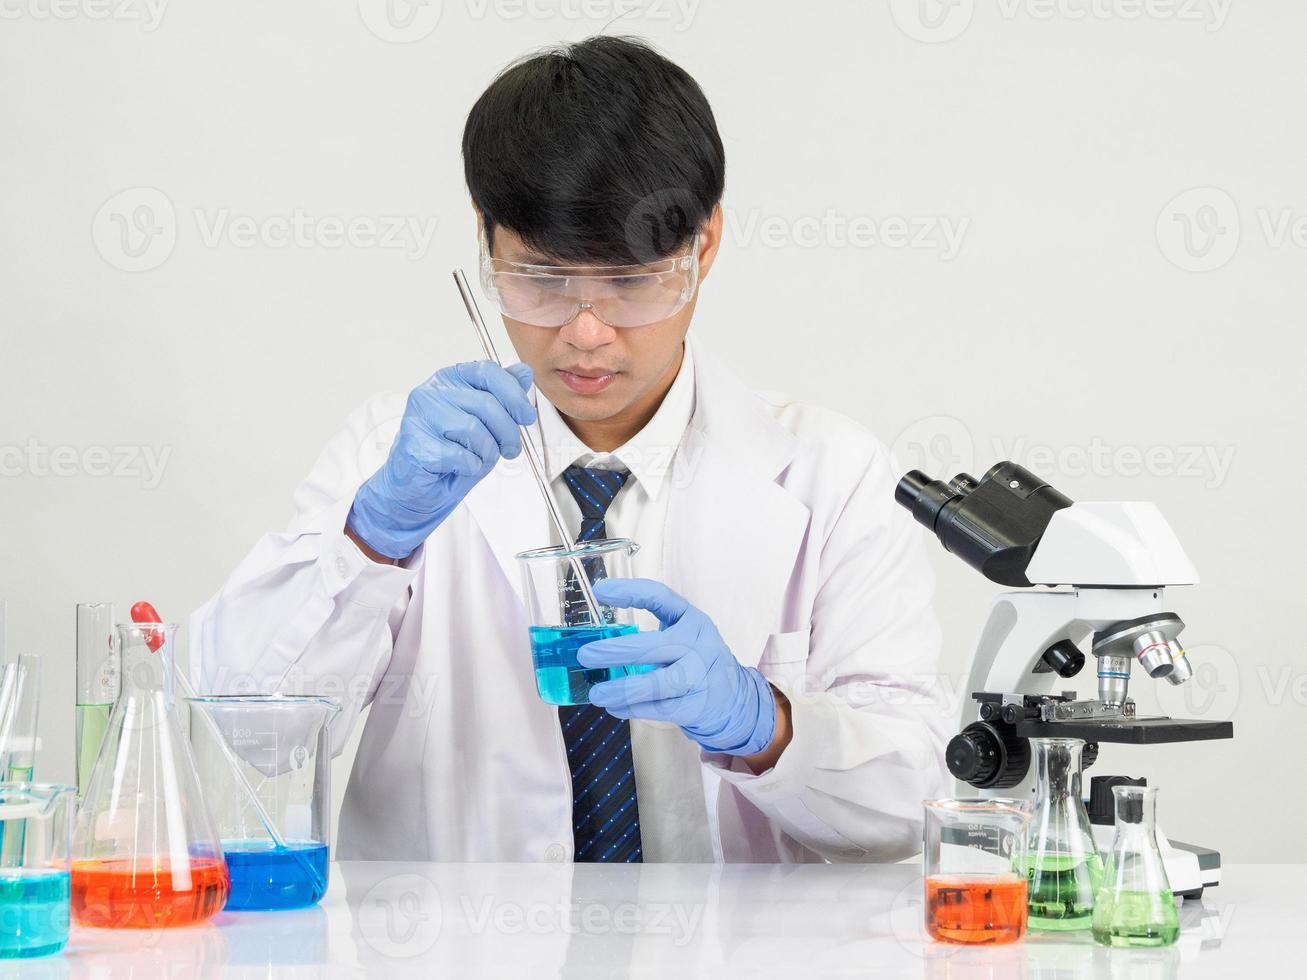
{"x": 620, "y": 296}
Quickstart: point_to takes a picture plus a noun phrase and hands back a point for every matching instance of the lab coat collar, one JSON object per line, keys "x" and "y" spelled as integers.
{"x": 647, "y": 455}
{"x": 733, "y": 533}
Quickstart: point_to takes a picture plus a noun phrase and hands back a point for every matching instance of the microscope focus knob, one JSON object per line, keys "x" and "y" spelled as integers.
{"x": 988, "y": 756}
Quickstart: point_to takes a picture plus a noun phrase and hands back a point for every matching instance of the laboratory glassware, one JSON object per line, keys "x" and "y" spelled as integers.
{"x": 528, "y": 447}
{"x": 144, "y": 852}
{"x": 36, "y": 830}
{"x": 561, "y": 622}
{"x": 97, "y": 683}
{"x": 20, "y": 699}
{"x": 281, "y": 748}
{"x": 1062, "y": 865}
{"x": 974, "y": 889}
{"x": 1135, "y": 905}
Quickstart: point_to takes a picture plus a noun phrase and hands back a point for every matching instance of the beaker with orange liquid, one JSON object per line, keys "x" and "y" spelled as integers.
{"x": 975, "y": 892}
{"x": 145, "y": 854}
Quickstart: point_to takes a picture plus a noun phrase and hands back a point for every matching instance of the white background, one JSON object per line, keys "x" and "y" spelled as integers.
{"x": 1126, "y": 339}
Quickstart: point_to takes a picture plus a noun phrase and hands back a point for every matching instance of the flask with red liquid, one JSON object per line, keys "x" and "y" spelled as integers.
{"x": 145, "y": 854}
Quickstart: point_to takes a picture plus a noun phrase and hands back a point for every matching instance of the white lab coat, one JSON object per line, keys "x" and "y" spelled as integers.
{"x": 782, "y": 527}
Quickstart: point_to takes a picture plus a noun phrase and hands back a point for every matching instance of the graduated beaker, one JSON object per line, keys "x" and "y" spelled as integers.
{"x": 1135, "y": 906}
{"x": 277, "y": 747}
{"x": 1062, "y": 865}
{"x": 36, "y": 830}
{"x": 144, "y": 850}
{"x": 560, "y": 618}
{"x": 974, "y": 889}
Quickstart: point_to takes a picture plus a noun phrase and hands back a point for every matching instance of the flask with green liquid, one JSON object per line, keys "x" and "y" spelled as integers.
{"x": 1063, "y": 869}
{"x": 1135, "y": 906}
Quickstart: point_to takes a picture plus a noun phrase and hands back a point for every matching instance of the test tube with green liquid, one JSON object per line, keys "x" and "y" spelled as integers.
{"x": 97, "y": 683}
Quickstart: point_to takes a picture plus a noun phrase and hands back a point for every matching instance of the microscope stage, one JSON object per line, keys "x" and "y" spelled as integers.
{"x": 1134, "y": 731}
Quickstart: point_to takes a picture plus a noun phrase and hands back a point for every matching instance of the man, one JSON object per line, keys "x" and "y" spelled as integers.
{"x": 784, "y": 598}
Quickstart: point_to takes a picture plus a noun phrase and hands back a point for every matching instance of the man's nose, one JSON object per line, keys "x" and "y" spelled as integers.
{"x": 587, "y": 332}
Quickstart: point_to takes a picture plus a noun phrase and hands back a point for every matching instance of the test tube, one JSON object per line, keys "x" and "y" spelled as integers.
{"x": 18, "y": 738}
{"x": 98, "y": 682}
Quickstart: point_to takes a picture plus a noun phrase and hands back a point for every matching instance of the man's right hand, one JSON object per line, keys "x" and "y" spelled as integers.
{"x": 456, "y": 427}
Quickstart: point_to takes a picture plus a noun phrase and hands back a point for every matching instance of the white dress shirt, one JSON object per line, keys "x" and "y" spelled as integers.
{"x": 668, "y": 778}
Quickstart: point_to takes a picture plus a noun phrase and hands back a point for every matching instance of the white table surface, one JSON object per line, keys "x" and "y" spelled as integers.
{"x": 680, "y": 921}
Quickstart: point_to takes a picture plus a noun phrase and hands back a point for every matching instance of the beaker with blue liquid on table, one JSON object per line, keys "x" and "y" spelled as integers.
{"x": 35, "y": 859}
{"x": 281, "y": 744}
{"x": 560, "y": 616}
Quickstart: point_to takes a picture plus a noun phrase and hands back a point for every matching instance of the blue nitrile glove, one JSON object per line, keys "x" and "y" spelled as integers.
{"x": 699, "y": 685}
{"x": 456, "y": 426}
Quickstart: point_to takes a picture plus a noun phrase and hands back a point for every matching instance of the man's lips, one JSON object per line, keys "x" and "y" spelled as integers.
{"x": 586, "y": 382}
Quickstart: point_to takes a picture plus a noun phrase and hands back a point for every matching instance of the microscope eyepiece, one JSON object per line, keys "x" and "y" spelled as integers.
{"x": 993, "y": 524}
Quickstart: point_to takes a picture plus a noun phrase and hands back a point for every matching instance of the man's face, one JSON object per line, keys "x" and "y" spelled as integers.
{"x": 589, "y": 370}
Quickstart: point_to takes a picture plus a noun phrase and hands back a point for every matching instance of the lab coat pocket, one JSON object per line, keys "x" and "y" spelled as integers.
{"x": 785, "y": 656}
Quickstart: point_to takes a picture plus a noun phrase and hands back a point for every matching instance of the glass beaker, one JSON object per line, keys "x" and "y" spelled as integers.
{"x": 1062, "y": 866}
{"x": 144, "y": 850}
{"x": 266, "y": 763}
{"x": 36, "y": 827}
{"x": 1135, "y": 906}
{"x": 97, "y": 683}
{"x": 561, "y": 621}
{"x": 974, "y": 889}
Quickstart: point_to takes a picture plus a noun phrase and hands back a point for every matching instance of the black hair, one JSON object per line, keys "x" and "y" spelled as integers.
{"x": 598, "y": 152}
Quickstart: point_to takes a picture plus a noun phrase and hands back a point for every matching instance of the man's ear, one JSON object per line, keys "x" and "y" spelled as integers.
{"x": 710, "y": 239}
{"x": 481, "y": 226}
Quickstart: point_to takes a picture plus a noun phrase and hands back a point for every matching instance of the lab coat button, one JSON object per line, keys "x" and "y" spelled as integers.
{"x": 342, "y": 569}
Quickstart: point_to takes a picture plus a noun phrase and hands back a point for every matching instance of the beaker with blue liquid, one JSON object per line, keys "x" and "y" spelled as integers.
{"x": 36, "y": 828}
{"x": 265, "y": 764}
{"x": 561, "y": 621}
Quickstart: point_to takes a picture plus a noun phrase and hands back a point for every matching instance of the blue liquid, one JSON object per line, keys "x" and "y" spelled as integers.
{"x": 559, "y": 678}
{"x": 265, "y": 877}
{"x": 33, "y": 912}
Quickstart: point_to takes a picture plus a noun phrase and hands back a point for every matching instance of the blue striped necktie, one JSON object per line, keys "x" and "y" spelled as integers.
{"x": 605, "y": 812}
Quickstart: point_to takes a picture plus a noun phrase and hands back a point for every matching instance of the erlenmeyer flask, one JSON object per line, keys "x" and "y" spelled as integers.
{"x": 1135, "y": 906}
{"x": 1063, "y": 869}
{"x": 145, "y": 854}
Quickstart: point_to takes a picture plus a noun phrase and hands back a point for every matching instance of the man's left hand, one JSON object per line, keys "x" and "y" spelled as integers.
{"x": 698, "y": 683}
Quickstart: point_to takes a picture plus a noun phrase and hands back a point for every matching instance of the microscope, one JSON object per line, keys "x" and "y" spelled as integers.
{"x": 1093, "y": 577}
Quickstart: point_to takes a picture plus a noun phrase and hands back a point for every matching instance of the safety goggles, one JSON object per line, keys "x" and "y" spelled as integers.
{"x": 619, "y": 295}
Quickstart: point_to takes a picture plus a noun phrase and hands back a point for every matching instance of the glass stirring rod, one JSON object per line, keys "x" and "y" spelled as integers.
{"x": 532, "y": 457}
